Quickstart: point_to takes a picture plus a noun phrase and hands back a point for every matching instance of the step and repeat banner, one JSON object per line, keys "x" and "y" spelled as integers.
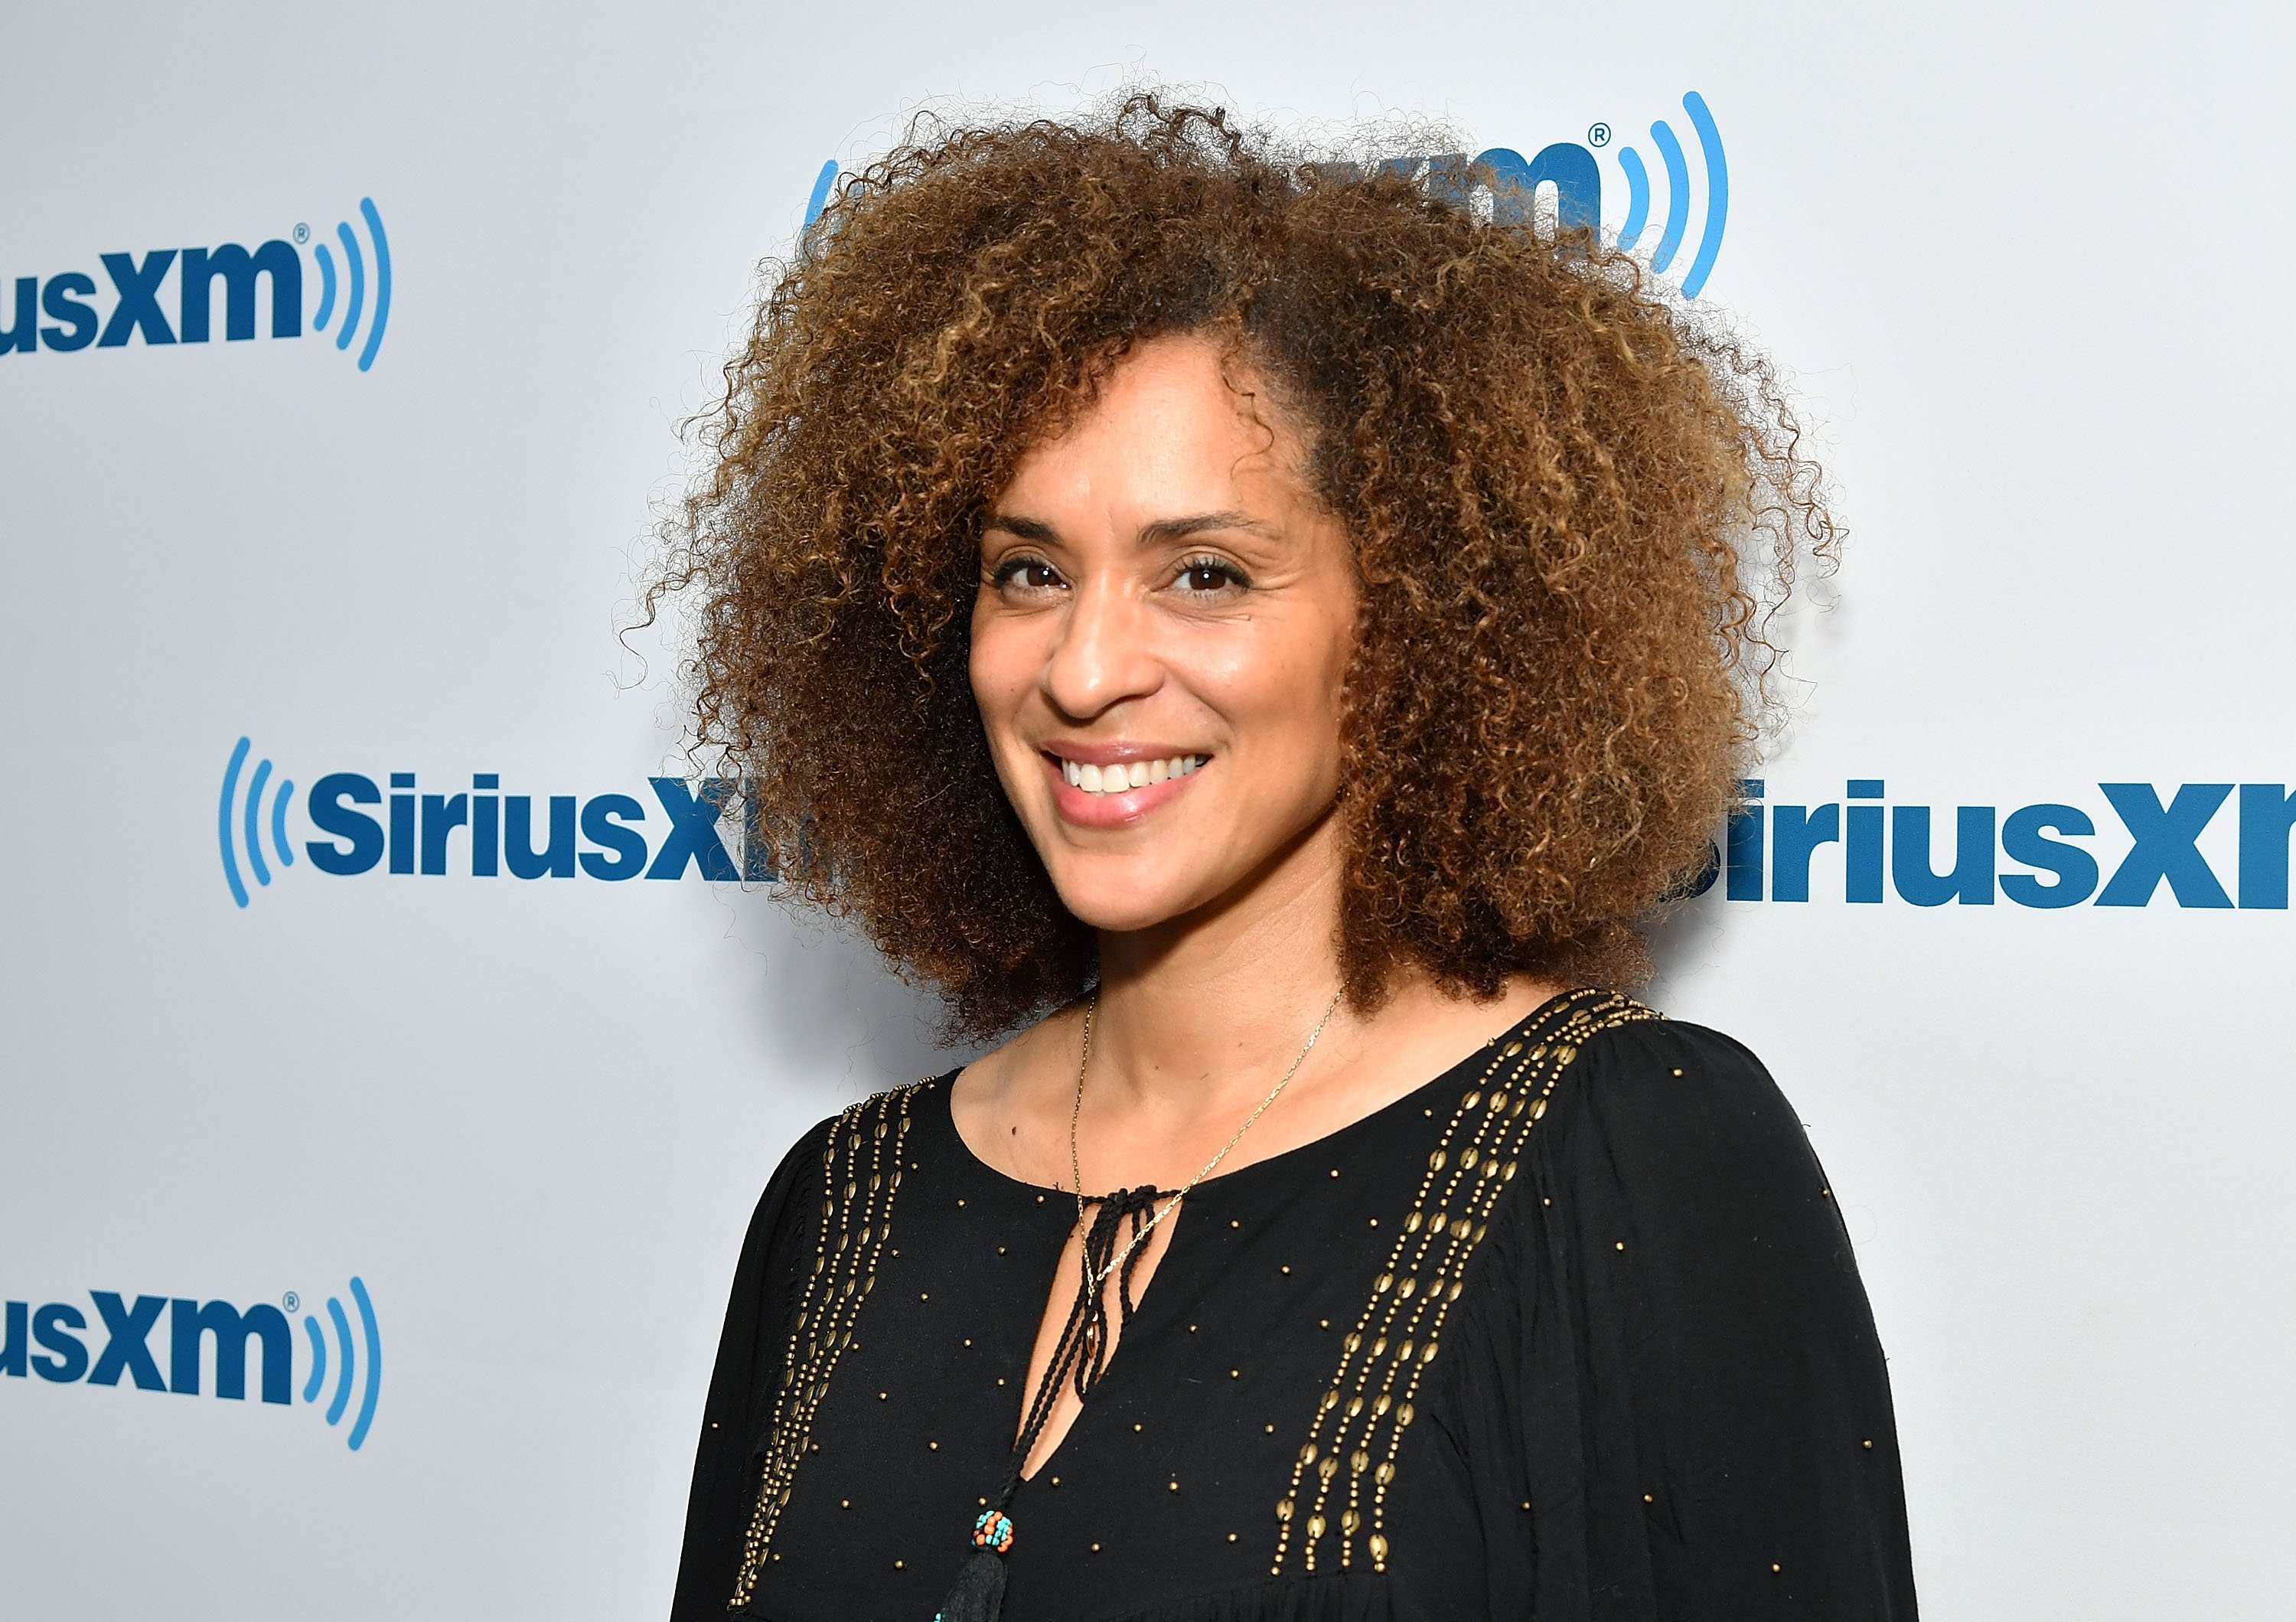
{"x": 397, "y": 1033}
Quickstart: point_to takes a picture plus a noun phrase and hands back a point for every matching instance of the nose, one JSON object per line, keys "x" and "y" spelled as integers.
{"x": 1103, "y": 655}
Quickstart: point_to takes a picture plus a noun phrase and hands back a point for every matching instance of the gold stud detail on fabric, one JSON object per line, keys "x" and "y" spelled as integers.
{"x": 844, "y": 1270}
{"x": 1369, "y": 1406}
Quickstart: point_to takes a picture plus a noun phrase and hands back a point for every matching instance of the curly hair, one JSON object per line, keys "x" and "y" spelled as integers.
{"x": 1572, "y": 504}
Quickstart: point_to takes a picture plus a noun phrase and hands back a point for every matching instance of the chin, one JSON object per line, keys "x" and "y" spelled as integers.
{"x": 1120, "y": 915}
{"x": 1120, "y": 903}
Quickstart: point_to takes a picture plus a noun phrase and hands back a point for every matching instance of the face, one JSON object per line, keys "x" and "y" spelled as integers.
{"x": 1163, "y": 624}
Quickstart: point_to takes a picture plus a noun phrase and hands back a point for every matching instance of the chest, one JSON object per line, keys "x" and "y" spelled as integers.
{"x": 1170, "y": 1479}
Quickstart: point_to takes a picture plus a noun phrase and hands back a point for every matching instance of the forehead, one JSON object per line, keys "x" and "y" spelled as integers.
{"x": 1179, "y": 420}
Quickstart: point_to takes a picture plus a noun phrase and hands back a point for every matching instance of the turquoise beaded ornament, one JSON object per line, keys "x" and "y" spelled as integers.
{"x": 978, "y": 1595}
{"x": 994, "y": 1531}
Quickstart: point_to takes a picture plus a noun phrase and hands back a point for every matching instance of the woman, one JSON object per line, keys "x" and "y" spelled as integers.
{"x": 1265, "y": 633}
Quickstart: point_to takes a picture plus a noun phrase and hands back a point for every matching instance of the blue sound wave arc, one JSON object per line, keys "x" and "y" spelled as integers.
{"x": 381, "y": 293}
{"x": 1718, "y": 193}
{"x": 1677, "y": 198}
{"x": 349, "y": 1362}
{"x": 373, "y": 1363}
{"x": 279, "y": 823}
{"x": 357, "y": 266}
{"x": 243, "y": 855}
{"x": 820, "y": 198}
{"x": 223, "y": 822}
{"x": 255, "y": 863}
{"x": 318, "y": 1360}
{"x": 326, "y": 288}
{"x": 1638, "y": 197}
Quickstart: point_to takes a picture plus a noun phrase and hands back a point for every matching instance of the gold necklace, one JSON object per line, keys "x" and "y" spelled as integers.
{"x": 1076, "y": 1166}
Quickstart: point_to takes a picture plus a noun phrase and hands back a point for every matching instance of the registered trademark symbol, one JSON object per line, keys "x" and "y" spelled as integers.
{"x": 303, "y": 232}
{"x": 290, "y": 1300}
{"x": 1597, "y": 134}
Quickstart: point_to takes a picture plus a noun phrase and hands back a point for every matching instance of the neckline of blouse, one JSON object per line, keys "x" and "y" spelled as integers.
{"x": 1286, "y": 1158}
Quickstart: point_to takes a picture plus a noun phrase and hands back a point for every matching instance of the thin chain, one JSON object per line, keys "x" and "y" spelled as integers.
{"x": 1075, "y": 1110}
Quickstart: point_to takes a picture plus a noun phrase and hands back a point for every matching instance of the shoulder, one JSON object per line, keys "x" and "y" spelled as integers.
{"x": 833, "y": 1151}
{"x": 1664, "y": 1083}
{"x": 1681, "y": 1132}
{"x": 871, "y": 1124}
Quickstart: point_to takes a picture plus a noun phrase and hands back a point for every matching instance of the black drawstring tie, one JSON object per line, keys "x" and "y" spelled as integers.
{"x": 977, "y": 1594}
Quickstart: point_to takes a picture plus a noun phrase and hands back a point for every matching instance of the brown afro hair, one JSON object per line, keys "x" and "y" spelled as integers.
{"x": 1572, "y": 501}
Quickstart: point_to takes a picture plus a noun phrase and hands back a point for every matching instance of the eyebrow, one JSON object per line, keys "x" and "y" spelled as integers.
{"x": 1026, "y": 528}
{"x": 1162, "y": 531}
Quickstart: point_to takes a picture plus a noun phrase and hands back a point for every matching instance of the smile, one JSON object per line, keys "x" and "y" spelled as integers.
{"x": 1117, "y": 777}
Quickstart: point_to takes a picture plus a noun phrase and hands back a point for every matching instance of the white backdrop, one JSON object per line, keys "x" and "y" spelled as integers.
{"x": 2025, "y": 265}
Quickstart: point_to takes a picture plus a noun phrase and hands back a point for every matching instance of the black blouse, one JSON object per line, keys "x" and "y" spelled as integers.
{"x": 1573, "y": 1332}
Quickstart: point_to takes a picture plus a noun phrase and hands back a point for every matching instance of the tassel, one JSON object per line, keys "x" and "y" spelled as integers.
{"x": 977, "y": 1594}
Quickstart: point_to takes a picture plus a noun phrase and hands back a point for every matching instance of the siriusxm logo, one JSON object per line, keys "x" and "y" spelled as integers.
{"x": 2036, "y": 856}
{"x": 479, "y": 833}
{"x": 76, "y": 317}
{"x": 1673, "y": 231}
{"x": 62, "y": 1356}
{"x": 1575, "y": 173}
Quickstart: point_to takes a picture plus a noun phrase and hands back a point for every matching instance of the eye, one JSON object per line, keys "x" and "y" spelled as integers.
{"x": 1208, "y": 576}
{"x": 1026, "y": 573}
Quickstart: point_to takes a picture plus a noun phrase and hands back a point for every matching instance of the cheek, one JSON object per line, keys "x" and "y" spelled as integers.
{"x": 1294, "y": 694}
{"x": 1000, "y": 666}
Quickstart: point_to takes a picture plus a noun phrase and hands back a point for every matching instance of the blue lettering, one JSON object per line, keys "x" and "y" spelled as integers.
{"x": 442, "y": 814}
{"x": 2024, "y": 838}
{"x": 127, "y": 1352}
{"x": 402, "y": 824}
{"x": 18, "y": 1341}
{"x": 525, "y": 861}
{"x": 239, "y": 268}
{"x": 757, "y": 855}
{"x": 1700, "y": 880}
{"x": 1970, "y": 881}
{"x": 25, "y": 334}
{"x": 1571, "y": 168}
{"x": 139, "y": 298}
{"x": 486, "y": 825}
{"x": 1450, "y": 176}
{"x": 1742, "y": 857}
{"x": 330, "y": 814}
{"x": 601, "y": 827}
{"x": 59, "y": 300}
{"x": 2166, "y": 844}
{"x": 51, "y": 1327}
{"x": 1795, "y": 832}
{"x": 2267, "y": 812}
{"x": 692, "y": 829}
{"x": 231, "y": 1328}
{"x": 1861, "y": 858}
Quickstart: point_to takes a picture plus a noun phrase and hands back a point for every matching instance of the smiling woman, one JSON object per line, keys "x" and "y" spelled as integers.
{"x": 1161, "y": 589}
{"x": 1257, "y": 635}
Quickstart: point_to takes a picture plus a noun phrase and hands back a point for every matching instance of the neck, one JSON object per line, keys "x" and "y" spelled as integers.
{"x": 1213, "y": 1005}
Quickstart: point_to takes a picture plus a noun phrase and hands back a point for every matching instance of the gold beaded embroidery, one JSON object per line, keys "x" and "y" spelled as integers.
{"x": 861, "y": 1171}
{"x": 1361, "y": 1417}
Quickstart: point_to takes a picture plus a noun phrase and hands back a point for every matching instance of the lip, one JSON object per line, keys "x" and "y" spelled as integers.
{"x": 1112, "y": 810}
{"x": 1118, "y": 753}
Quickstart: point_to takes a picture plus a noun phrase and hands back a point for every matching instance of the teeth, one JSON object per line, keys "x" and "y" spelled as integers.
{"x": 1131, "y": 775}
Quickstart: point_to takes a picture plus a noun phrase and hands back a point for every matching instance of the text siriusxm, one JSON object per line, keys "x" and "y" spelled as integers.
{"x": 68, "y": 311}
{"x": 484, "y": 832}
{"x": 47, "y": 1342}
{"x": 2034, "y": 855}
